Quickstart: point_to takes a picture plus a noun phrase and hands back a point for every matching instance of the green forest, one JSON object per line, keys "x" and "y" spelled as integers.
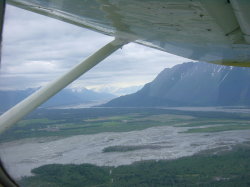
{"x": 226, "y": 169}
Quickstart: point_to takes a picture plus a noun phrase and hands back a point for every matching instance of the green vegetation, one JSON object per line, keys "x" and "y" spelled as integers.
{"x": 225, "y": 169}
{"x": 129, "y": 148}
{"x": 58, "y": 123}
{"x": 67, "y": 175}
{"x": 206, "y": 169}
{"x": 24, "y": 123}
{"x": 219, "y": 128}
{"x": 205, "y": 125}
{"x": 63, "y": 123}
{"x": 214, "y": 122}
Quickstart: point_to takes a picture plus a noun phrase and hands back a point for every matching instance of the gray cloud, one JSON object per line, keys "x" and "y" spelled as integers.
{"x": 37, "y": 49}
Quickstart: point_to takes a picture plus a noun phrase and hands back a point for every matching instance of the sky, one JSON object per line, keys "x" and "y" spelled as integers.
{"x": 38, "y": 49}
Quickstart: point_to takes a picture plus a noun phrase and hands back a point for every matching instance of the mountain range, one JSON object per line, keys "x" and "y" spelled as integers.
{"x": 192, "y": 84}
{"x": 187, "y": 84}
{"x": 9, "y": 98}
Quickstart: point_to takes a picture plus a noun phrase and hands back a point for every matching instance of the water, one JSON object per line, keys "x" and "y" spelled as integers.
{"x": 23, "y": 155}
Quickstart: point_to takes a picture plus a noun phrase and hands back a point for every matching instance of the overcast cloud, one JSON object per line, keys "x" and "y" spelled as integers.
{"x": 37, "y": 49}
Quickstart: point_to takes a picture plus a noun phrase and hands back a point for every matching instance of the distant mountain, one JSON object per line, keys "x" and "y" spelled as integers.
{"x": 192, "y": 84}
{"x": 65, "y": 97}
{"x": 127, "y": 90}
{"x": 120, "y": 91}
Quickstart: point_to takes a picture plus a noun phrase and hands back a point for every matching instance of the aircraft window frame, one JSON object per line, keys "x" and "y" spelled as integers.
{"x": 5, "y": 178}
{"x": 2, "y": 13}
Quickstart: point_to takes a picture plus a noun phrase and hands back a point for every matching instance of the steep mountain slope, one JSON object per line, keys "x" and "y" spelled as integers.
{"x": 192, "y": 84}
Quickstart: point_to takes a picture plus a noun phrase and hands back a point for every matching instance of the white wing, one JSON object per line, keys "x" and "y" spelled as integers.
{"x": 216, "y": 31}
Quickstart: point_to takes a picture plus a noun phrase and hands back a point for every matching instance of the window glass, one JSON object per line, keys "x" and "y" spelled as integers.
{"x": 142, "y": 117}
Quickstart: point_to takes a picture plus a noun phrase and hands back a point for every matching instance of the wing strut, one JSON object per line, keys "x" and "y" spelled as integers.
{"x": 17, "y": 112}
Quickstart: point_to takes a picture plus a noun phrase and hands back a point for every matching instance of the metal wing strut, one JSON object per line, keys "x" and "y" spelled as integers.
{"x": 16, "y": 113}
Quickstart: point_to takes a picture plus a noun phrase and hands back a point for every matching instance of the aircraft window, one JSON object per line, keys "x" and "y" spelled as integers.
{"x": 142, "y": 117}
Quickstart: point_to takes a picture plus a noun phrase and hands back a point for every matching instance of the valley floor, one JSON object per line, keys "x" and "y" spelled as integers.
{"x": 154, "y": 143}
{"x": 116, "y": 139}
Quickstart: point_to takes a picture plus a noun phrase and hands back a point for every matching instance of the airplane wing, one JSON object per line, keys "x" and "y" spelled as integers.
{"x": 215, "y": 31}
